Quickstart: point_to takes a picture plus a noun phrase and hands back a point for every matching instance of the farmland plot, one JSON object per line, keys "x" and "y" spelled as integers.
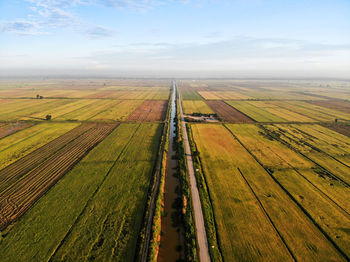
{"x": 317, "y": 113}
{"x": 130, "y": 95}
{"x": 277, "y": 109}
{"x": 118, "y": 112}
{"x": 275, "y": 228}
{"x": 10, "y": 128}
{"x": 228, "y": 113}
{"x": 26, "y": 107}
{"x": 222, "y": 95}
{"x": 196, "y": 106}
{"x": 315, "y": 142}
{"x": 23, "y": 142}
{"x": 257, "y": 113}
{"x": 325, "y": 200}
{"x": 338, "y": 105}
{"x": 149, "y": 110}
{"x": 21, "y": 195}
{"x": 16, "y": 170}
{"x": 108, "y": 182}
{"x": 188, "y": 93}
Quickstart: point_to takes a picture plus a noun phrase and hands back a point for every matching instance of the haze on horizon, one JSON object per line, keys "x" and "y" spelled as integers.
{"x": 213, "y": 38}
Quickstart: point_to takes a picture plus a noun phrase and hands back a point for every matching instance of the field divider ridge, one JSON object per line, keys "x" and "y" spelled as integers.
{"x": 340, "y": 251}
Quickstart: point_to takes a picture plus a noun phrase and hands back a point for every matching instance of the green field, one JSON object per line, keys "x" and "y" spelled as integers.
{"x": 92, "y": 182}
{"x": 23, "y": 142}
{"x": 196, "y": 106}
{"x": 105, "y": 195}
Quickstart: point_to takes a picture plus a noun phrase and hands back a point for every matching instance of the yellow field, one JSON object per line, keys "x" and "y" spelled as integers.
{"x": 68, "y": 109}
{"x": 27, "y": 140}
{"x": 196, "y": 106}
{"x": 245, "y": 232}
{"x": 316, "y": 143}
{"x": 327, "y": 204}
{"x": 219, "y": 95}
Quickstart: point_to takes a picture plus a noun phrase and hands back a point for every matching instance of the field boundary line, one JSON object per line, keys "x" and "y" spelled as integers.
{"x": 318, "y": 190}
{"x": 307, "y": 214}
{"x": 45, "y": 159}
{"x": 267, "y": 215}
{"x": 302, "y": 154}
{"x": 239, "y": 111}
{"x": 91, "y": 198}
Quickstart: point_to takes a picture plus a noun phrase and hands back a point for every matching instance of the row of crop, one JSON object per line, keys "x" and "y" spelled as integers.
{"x": 26, "y": 191}
{"x": 16, "y": 170}
{"x": 38, "y": 233}
{"x": 27, "y": 140}
{"x": 111, "y": 222}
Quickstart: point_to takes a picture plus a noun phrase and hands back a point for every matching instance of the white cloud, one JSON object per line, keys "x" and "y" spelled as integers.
{"x": 99, "y": 31}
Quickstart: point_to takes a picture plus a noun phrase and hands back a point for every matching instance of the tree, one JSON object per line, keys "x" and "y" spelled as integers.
{"x": 48, "y": 117}
{"x": 37, "y": 96}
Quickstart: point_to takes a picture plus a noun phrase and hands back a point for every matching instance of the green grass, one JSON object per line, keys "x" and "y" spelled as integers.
{"x": 101, "y": 201}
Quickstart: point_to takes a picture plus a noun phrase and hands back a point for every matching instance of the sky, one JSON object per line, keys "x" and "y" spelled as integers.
{"x": 205, "y": 38}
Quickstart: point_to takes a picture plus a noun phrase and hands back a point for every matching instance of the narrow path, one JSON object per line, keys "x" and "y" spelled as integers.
{"x": 201, "y": 234}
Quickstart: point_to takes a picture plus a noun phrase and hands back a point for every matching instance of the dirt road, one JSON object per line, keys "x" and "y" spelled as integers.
{"x": 197, "y": 207}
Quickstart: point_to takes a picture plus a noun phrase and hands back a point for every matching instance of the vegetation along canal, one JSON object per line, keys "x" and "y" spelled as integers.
{"x": 171, "y": 243}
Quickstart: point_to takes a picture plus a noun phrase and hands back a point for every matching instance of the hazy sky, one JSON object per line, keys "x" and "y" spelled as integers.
{"x": 235, "y": 38}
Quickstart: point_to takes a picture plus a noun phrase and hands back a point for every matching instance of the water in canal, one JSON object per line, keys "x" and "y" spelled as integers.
{"x": 171, "y": 241}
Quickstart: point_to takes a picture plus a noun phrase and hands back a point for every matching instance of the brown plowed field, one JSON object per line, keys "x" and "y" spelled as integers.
{"x": 339, "y": 105}
{"x": 228, "y": 113}
{"x": 8, "y": 129}
{"x": 22, "y": 194}
{"x": 16, "y": 170}
{"x": 150, "y": 110}
{"x": 341, "y": 129}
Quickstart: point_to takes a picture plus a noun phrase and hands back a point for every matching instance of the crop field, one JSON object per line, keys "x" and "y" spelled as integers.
{"x": 83, "y": 169}
{"x": 10, "y": 128}
{"x": 96, "y": 226}
{"x": 69, "y": 109}
{"x": 327, "y": 148}
{"x": 23, "y": 142}
{"x": 76, "y": 186}
{"x": 150, "y": 110}
{"x": 256, "y": 112}
{"x": 20, "y": 194}
{"x": 338, "y": 105}
{"x": 196, "y": 106}
{"x": 228, "y": 113}
{"x": 282, "y": 231}
{"x": 324, "y": 198}
{"x": 288, "y": 111}
{"x": 276, "y": 186}
{"x": 220, "y": 95}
